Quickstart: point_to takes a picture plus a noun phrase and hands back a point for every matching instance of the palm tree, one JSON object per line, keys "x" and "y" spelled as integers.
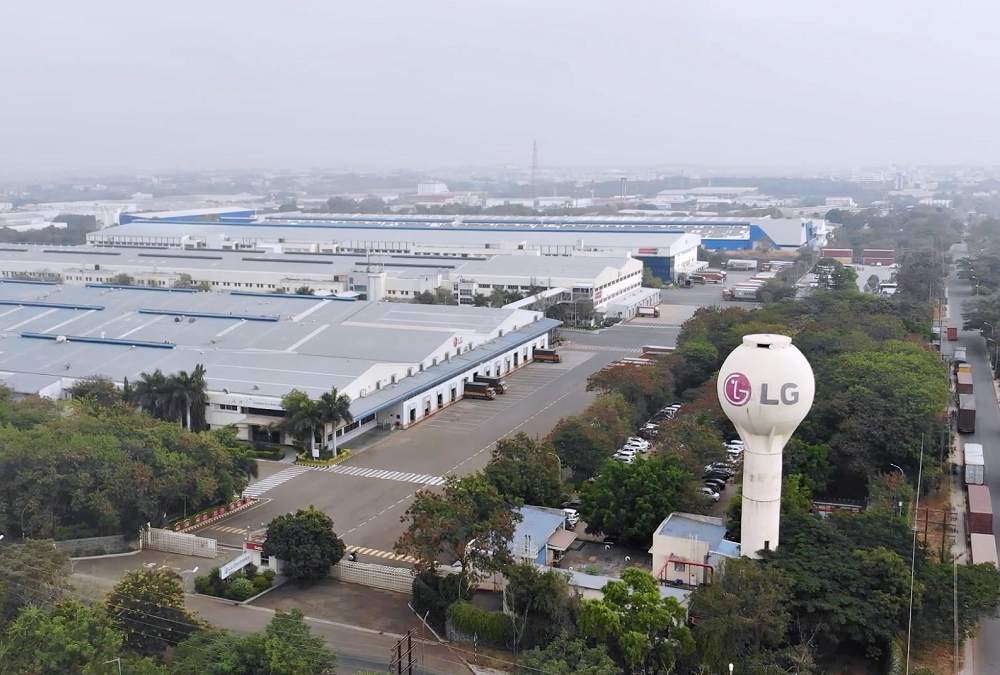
{"x": 152, "y": 394}
{"x": 335, "y": 409}
{"x": 498, "y": 298}
{"x": 189, "y": 399}
{"x": 303, "y": 416}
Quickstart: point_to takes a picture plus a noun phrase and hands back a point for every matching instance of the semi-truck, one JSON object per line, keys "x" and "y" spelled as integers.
{"x": 648, "y": 311}
{"x": 975, "y": 464}
{"x": 499, "y": 385}
{"x": 966, "y": 414}
{"x": 963, "y": 382}
{"x": 546, "y": 355}
{"x": 960, "y": 355}
{"x": 741, "y": 265}
{"x": 479, "y": 390}
{"x": 980, "y": 510}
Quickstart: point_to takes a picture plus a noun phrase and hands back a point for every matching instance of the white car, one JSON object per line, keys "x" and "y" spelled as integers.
{"x": 635, "y": 440}
{"x": 641, "y": 447}
{"x": 710, "y": 493}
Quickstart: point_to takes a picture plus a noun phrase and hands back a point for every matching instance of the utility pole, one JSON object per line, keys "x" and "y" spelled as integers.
{"x": 402, "y": 656}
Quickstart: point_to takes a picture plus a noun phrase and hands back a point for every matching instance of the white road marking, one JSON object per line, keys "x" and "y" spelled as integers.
{"x": 262, "y": 486}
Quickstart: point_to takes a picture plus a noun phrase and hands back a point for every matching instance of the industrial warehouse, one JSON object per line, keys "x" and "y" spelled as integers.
{"x": 668, "y": 246}
{"x": 611, "y": 284}
{"x": 397, "y": 363}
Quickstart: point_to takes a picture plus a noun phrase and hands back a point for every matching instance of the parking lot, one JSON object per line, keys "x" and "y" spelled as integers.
{"x": 366, "y": 495}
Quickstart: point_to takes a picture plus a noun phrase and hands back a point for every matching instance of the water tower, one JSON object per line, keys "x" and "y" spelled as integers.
{"x": 766, "y": 388}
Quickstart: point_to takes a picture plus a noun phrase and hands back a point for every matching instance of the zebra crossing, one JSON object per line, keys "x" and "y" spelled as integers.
{"x": 600, "y": 348}
{"x": 402, "y": 476}
{"x": 385, "y": 555}
{"x": 283, "y": 476}
{"x": 227, "y": 529}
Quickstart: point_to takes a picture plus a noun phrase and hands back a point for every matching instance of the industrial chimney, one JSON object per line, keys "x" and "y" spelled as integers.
{"x": 766, "y": 388}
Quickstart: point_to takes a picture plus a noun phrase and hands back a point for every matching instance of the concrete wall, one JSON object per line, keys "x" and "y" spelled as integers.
{"x": 96, "y": 545}
{"x": 665, "y": 547}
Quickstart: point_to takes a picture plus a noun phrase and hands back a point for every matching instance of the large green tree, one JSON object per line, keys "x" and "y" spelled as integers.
{"x": 645, "y": 633}
{"x": 540, "y": 603}
{"x": 335, "y": 410}
{"x": 578, "y": 448}
{"x": 525, "y": 469}
{"x": 742, "y": 615}
{"x": 567, "y": 656}
{"x": 148, "y": 607}
{"x": 68, "y": 638}
{"x": 96, "y": 389}
{"x": 286, "y": 647}
{"x": 305, "y": 543}
{"x": 467, "y": 522}
{"x": 33, "y": 573}
{"x": 627, "y": 502}
{"x": 646, "y": 387}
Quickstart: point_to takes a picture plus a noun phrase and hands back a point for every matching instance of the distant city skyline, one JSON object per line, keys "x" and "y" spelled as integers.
{"x": 374, "y": 86}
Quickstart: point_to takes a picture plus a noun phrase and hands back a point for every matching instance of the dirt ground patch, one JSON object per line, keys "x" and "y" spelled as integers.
{"x": 342, "y": 602}
{"x": 939, "y": 658}
{"x": 936, "y": 521}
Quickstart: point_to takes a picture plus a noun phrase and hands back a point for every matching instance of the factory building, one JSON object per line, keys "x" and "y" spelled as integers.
{"x": 399, "y": 364}
{"x": 665, "y": 250}
{"x": 600, "y": 279}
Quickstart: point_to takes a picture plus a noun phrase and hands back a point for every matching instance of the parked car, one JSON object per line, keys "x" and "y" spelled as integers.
{"x": 626, "y": 452}
{"x": 720, "y": 474}
{"x": 625, "y": 459}
{"x": 725, "y": 467}
{"x": 716, "y": 484}
{"x": 572, "y": 504}
{"x": 710, "y": 493}
{"x": 641, "y": 447}
{"x": 637, "y": 440}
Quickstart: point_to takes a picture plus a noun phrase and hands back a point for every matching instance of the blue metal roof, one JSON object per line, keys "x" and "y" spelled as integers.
{"x": 127, "y": 287}
{"x": 51, "y": 305}
{"x": 682, "y": 526}
{"x": 208, "y": 315}
{"x": 101, "y": 341}
{"x": 537, "y": 523}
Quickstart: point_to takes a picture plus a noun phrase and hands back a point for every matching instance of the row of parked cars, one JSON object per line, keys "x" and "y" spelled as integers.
{"x": 718, "y": 474}
{"x": 651, "y": 428}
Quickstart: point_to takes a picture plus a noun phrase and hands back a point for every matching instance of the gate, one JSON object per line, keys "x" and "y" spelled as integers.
{"x": 178, "y": 542}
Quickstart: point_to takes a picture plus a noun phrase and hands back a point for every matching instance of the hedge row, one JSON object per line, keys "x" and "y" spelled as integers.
{"x": 490, "y": 629}
{"x": 432, "y": 594}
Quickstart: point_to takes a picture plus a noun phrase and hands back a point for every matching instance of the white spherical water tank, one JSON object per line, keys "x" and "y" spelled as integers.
{"x": 766, "y": 388}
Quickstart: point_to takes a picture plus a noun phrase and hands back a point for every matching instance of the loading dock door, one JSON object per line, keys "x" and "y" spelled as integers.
{"x": 413, "y": 414}
{"x": 454, "y": 393}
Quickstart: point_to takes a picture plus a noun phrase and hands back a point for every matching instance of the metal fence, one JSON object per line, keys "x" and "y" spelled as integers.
{"x": 398, "y": 579}
{"x": 178, "y": 542}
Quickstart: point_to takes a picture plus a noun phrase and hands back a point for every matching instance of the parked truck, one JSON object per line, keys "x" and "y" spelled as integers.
{"x": 975, "y": 464}
{"x": 960, "y": 356}
{"x": 546, "y": 355}
{"x": 952, "y": 333}
{"x": 648, "y": 311}
{"x": 984, "y": 549}
{"x": 966, "y": 414}
{"x": 479, "y": 390}
{"x": 499, "y": 385}
{"x": 963, "y": 382}
{"x": 980, "y": 510}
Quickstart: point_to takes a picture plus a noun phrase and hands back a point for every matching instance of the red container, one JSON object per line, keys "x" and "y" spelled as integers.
{"x": 980, "y": 510}
{"x": 952, "y": 332}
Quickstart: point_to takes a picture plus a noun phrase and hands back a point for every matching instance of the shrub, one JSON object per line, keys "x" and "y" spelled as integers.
{"x": 269, "y": 575}
{"x": 260, "y": 584}
{"x": 492, "y": 629}
{"x": 203, "y": 585}
{"x": 250, "y": 571}
{"x": 240, "y": 588}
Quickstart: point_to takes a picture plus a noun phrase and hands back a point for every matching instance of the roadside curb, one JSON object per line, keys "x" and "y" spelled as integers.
{"x": 254, "y": 501}
{"x": 108, "y": 555}
{"x": 342, "y": 457}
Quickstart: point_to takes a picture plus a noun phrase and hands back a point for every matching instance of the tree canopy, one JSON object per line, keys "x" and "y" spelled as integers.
{"x": 525, "y": 469}
{"x": 468, "y": 521}
{"x": 305, "y": 542}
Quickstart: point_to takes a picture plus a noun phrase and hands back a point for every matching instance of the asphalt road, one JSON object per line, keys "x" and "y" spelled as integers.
{"x": 987, "y": 648}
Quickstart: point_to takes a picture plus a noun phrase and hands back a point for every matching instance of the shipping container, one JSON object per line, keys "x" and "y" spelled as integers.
{"x": 960, "y": 355}
{"x": 743, "y": 265}
{"x": 963, "y": 382}
{"x": 975, "y": 464}
{"x": 964, "y": 368}
{"x": 980, "y": 510}
{"x": 546, "y": 355}
{"x": 952, "y": 332}
{"x": 966, "y": 414}
{"x": 984, "y": 549}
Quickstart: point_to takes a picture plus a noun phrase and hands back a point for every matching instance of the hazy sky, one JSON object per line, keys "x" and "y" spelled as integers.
{"x": 430, "y": 83}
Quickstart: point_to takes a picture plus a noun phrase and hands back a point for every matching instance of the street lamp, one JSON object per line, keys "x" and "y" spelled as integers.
{"x": 730, "y": 669}
{"x": 993, "y": 359}
{"x": 558, "y": 461}
{"x": 22, "y": 519}
{"x": 993, "y": 329}
{"x": 973, "y": 276}
{"x": 899, "y": 469}
{"x": 119, "y": 662}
